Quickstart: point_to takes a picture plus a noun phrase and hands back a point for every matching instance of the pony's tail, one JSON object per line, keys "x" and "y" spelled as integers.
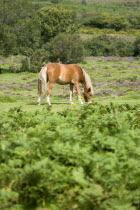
{"x": 42, "y": 81}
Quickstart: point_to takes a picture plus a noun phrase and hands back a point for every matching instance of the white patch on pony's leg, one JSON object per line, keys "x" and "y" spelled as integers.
{"x": 79, "y": 98}
{"x": 39, "y": 100}
{"x": 48, "y": 100}
{"x": 49, "y": 92}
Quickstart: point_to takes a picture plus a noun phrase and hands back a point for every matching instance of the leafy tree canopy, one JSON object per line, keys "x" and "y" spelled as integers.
{"x": 18, "y": 30}
{"x": 56, "y": 20}
{"x": 66, "y": 48}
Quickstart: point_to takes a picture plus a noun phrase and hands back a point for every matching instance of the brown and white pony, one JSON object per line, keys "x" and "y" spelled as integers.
{"x": 64, "y": 74}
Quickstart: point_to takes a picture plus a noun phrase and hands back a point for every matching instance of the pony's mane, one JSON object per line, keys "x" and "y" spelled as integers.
{"x": 88, "y": 81}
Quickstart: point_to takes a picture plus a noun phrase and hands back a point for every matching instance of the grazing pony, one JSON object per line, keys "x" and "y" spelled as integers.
{"x": 64, "y": 74}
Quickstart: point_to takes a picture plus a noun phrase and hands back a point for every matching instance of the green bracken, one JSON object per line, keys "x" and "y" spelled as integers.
{"x": 78, "y": 158}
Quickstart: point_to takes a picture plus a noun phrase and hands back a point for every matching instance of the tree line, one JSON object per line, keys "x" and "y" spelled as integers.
{"x": 50, "y": 34}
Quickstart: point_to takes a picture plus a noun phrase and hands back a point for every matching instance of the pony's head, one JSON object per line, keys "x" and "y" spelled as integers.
{"x": 88, "y": 95}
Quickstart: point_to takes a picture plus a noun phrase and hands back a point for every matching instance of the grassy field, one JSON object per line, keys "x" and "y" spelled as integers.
{"x": 96, "y": 146}
{"x": 72, "y": 157}
{"x": 114, "y": 80}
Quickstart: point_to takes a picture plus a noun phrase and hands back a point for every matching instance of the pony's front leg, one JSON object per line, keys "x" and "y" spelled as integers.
{"x": 79, "y": 92}
{"x": 50, "y": 86}
{"x": 71, "y": 93}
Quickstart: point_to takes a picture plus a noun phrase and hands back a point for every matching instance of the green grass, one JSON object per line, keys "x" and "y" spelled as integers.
{"x": 114, "y": 80}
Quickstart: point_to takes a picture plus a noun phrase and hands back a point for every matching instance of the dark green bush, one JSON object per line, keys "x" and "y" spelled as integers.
{"x": 99, "y": 20}
{"x": 106, "y": 45}
{"x": 67, "y": 49}
{"x": 137, "y": 47}
{"x": 134, "y": 20}
{"x": 25, "y": 65}
{"x": 118, "y": 23}
{"x": 123, "y": 47}
{"x": 38, "y": 59}
{"x": 35, "y": 61}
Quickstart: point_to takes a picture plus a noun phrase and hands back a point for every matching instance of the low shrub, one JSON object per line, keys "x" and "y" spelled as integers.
{"x": 38, "y": 58}
{"x": 35, "y": 61}
{"x": 99, "y": 20}
{"x": 106, "y": 45}
{"x": 109, "y": 20}
{"x": 14, "y": 69}
{"x": 118, "y": 23}
{"x": 25, "y": 64}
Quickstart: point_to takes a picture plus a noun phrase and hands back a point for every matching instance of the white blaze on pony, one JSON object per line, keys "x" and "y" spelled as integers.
{"x": 64, "y": 74}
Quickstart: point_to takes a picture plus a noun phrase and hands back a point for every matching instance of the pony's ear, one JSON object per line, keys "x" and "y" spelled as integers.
{"x": 89, "y": 89}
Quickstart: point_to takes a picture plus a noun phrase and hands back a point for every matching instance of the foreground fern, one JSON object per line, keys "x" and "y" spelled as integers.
{"x": 84, "y": 158}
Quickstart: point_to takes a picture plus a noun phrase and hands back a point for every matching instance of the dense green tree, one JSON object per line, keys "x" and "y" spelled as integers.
{"x": 54, "y": 21}
{"x": 66, "y": 48}
{"x": 18, "y": 29}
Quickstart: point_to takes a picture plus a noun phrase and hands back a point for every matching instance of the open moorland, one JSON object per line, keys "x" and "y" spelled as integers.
{"x": 114, "y": 80}
{"x": 70, "y": 157}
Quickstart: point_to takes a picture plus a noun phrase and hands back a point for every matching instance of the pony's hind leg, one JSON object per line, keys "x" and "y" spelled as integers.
{"x": 71, "y": 93}
{"x": 49, "y": 89}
